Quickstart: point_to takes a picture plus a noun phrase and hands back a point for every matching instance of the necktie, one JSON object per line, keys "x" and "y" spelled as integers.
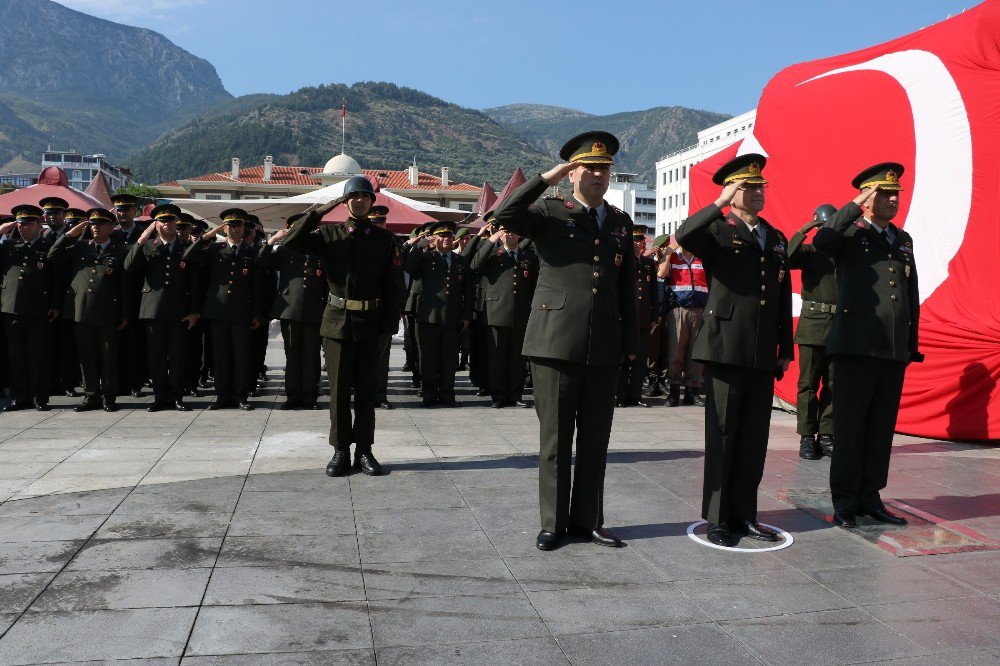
{"x": 593, "y": 218}
{"x": 759, "y": 233}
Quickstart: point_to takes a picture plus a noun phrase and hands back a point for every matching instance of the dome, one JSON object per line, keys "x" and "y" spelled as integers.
{"x": 342, "y": 164}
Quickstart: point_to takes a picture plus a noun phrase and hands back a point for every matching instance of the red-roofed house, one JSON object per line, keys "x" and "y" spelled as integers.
{"x": 271, "y": 181}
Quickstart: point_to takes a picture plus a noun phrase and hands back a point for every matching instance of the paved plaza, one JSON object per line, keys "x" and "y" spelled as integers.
{"x": 215, "y": 537}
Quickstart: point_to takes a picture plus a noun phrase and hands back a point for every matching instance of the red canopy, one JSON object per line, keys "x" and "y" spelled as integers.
{"x": 516, "y": 180}
{"x": 52, "y": 182}
{"x": 486, "y": 198}
{"x": 99, "y": 190}
{"x": 400, "y": 219}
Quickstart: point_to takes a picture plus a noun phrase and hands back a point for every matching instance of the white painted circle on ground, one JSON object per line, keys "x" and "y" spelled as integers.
{"x": 786, "y": 541}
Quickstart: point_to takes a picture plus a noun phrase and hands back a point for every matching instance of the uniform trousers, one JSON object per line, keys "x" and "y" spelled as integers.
{"x": 865, "y": 405}
{"x": 572, "y": 399}
{"x": 166, "y": 341}
{"x": 410, "y": 344}
{"x": 231, "y": 351}
{"x": 630, "y": 381}
{"x": 351, "y": 364}
{"x": 506, "y": 363}
{"x": 657, "y": 362}
{"x": 27, "y": 349}
{"x": 63, "y": 357}
{"x": 479, "y": 359}
{"x": 382, "y": 373}
{"x": 98, "y": 349}
{"x": 682, "y": 327}
{"x": 438, "y": 344}
{"x": 815, "y": 397}
{"x": 302, "y": 342}
{"x": 737, "y": 419}
{"x": 194, "y": 341}
{"x": 133, "y": 357}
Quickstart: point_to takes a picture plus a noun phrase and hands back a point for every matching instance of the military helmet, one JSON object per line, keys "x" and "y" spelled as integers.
{"x": 824, "y": 212}
{"x": 359, "y": 184}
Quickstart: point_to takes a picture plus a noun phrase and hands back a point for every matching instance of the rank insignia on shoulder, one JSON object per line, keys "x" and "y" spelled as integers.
{"x": 618, "y": 260}
{"x": 861, "y": 224}
{"x": 730, "y": 221}
{"x": 779, "y": 248}
{"x": 182, "y": 264}
{"x": 570, "y": 204}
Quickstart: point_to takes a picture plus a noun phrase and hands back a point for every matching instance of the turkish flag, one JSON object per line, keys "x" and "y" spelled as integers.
{"x": 931, "y": 101}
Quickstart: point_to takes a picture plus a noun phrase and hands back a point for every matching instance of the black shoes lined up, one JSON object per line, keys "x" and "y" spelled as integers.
{"x": 364, "y": 461}
{"x": 601, "y": 536}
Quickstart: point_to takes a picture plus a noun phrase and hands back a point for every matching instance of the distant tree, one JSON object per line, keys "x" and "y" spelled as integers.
{"x": 144, "y": 193}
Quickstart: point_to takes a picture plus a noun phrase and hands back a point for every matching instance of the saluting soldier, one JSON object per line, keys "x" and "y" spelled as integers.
{"x": 580, "y": 330}
{"x": 745, "y": 340}
{"x": 646, "y": 305}
{"x": 444, "y": 297}
{"x": 479, "y": 330}
{"x": 819, "y": 303}
{"x": 30, "y": 299}
{"x": 872, "y": 340}
{"x": 64, "y": 375}
{"x": 98, "y": 301}
{"x": 461, "y": 246}
{"x": 509, "y": 274}
{"x": 54, "y": 210}
{"x": 254, "y": 240}
{"x": 170, "y": 305}
{"x": 377, "y": 215}
{"x": 412, "y": 364}
{"x": 298, "y": 306}
{"x": 233, "y": 305}
{"x": 204, "y": 368}
{"x": 132, "y": 354}
{"x": 659, "y": 339}
{"x": 363, "y": 267}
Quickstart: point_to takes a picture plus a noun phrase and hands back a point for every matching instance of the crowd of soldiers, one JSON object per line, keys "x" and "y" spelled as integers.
{"x": 559, "y": 293}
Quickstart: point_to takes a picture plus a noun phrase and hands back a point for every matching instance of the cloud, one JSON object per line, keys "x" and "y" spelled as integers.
{"x": 131, "y": 11}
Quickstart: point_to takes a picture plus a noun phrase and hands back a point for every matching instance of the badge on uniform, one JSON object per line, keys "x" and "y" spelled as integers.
{"x": 781, "y": 275}
{"x": 649, "y": 278}
{"x": 730, "y": 221}
{"x": 109, "y": 271}
{"x": 527, "y": 273}
{"x": 906, "y": 270}
{"x": 779, "y": 248}
{"x": 246, "y": 272}
{"x": 569, "y": 204}
{"x": 41, "y": 265}
{"x": 618, "y": 260}
{"x": 861, "y": 224}
{"x": 319, "y": 272}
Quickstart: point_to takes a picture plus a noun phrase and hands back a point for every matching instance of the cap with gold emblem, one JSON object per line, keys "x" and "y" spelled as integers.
{"x": 165, "y": 212}
{"x": 744, "y": 167}
{"x": 26, "y": 212}
{"x": 185, "y": 220}
{"x": 639, "y": 231}
{"x": 234, "y": 216}
{"x": 199, "y": 226}
{"x": 378, "y": 213}
{"x": 50, "y": 204}
{"x": 75, "y": 214}
{"x": 101, "y": 216}
{"x": 443, "y": 228}
{"x": 590, "y": 148}
{"x": 883, "y": 176}
{"x": 123, "y": 200}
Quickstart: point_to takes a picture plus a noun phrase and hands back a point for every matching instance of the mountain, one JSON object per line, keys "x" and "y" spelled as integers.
{"x": 80, "y": 82}
{"x": 645, "y": 136}
{"x": 388, "y": 126}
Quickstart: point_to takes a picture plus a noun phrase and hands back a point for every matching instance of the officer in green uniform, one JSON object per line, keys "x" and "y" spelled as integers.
{"x": 462, "y": 242}
{"x": 363, "y": 267}
{"x": 30, "y": 299}
{"x": 509, "y": 274}
{"x": 54, "y": 210}
{"x": 64, "y": 364}
{"x": 479, "y": 329}
{"x": 581, "y": 329}
{"x": 298, "y": 306}
{"x": 872, "y": 340}
{"x": 445, "y": 290}
{"x": 233, "y": 305}
{"x": 819, "y": 303}
{"x": 253, "y": 240}
{"x": 98, "y": 301}
{"x": 169, "y": 307}
{"x": 132, "y": 354}
{"x": 646, "y": 305}
{"x": 745, "y": 340}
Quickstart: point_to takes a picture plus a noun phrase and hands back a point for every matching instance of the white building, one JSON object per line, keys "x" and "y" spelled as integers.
{"x": 673, "y": 171}
{"x": 82, "y": 169}
{"x": 633, "y": 197}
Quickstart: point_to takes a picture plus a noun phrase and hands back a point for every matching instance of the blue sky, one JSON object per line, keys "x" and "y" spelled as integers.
{"x": 600, "y": 57}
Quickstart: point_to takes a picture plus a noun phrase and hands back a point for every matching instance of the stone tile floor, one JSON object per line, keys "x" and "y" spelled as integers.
{"x": 209, "y": 537}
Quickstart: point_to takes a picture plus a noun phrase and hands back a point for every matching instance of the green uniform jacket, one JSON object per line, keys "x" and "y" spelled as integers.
{"x": 479, "y": 298}
{"x": 878, "y": 304}
{"x": 99, "y": 292}
{"x": 30, "y": 283}
{"x": 301, "y": 284}
{"x": 819, "y": 286}
{"x": 444, "y": 295}
{"x": 583, "y": 309}
{"x": 171, "y": 287}
{"x": 234, "y": 287}
{"x": 747, "y": 320}
{"x": 647, "y": 300}
{"x": 362, "y": 262}
{"x": 507, "y": 285}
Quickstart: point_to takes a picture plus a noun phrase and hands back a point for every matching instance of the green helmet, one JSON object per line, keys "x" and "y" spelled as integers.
{"x": 359, "y": 184}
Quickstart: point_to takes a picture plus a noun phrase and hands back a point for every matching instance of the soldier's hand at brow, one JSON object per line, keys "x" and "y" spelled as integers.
{"x": 557, "y": 173}
{"x": 147, "y": 232}
{"x": 729, "y": 193}
{"x": 865, "y": 195}
{"x": 77, "y": 229}
{"x": 7, "y": 227}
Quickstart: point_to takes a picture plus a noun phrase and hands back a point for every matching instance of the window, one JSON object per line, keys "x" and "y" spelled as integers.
{"x": 684, "y": 172}
{"x": 684, "y": 198}
{"x": 671, "y": 176}
{"x": 465, "y": 206}
{"x": 664, "y": 203}
{"x": 664, "y": 177}
{"x": 213, "y": 197}
{"x": 77, "y": 174}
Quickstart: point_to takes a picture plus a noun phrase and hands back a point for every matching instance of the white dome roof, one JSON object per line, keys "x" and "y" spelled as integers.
{"x": 342, "y": 164}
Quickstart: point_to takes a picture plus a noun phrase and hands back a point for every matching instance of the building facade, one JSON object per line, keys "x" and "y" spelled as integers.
{"x": 673, "y": 185}
{"x": 82, "y": 169}
{"x": 634, "y": 197}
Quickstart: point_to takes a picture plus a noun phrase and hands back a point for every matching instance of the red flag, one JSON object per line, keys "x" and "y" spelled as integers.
{"x": 343, "y": 110}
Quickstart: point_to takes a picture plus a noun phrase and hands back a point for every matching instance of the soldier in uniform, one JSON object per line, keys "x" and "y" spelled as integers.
{"x": 445, "y": 292}
{"x": 462, "y": 242}
{"x": 412, "y": 364}
{"x": 132, "y": 355}
{"x": 54, "y": 209}
{"x": 363, "y": 267}
{"x": 233, "y": 305}
{"x": 377, "y": 215}
{"x": 646, "y": 306}
{"x": 745, "y": 340}
{"x": 819, "y": 303}
{"x": 205, "y": 367}
{"x": 98, "y": 301}
{"x": 581, "y": 328}
{"x": 64, "y": 364}
{"x": 509, "y": 274}
{"x": 658, "y": 336}
{"x": 872, "y": 340}
{"x": 194, "y": 335}
{"x": 171, "y": 300}
{"x": 254, "y": 240}
{"x": 298, "y": 306}
{"x": 30, "y": 299}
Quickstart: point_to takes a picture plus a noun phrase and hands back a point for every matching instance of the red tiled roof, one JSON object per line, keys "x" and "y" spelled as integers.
{"x": 169, "y": 183}
{"x": 290, "y": 175}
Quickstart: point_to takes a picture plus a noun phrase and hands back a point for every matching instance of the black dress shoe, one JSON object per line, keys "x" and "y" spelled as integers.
{"x": 415, "y": 383}
{"x": 42, "y": 406}
{"x": 287, "y": 405}
{"x": 655, "y": 390}
{"x": 365, "y": 461}
{"x": 449, "y": 403}
{"x": 482, "y": 393}
{"x": 720, "y": 535}
{"x": 844, "y": 518}
{"x": 157, "y": 407}
{"x": 221, "y": 405}
{"x": 826, "y": 444}
{"x": 88, "y": 404}
{"x": 882, "y": 515}
{"x": 755, "y": 530}
{"x": 339, "y": 463}
{"x": 601, "y": 536}
{"x": 180, "y": 406}
{"x": 17, "y": 406}
{"x": 496, "y": 404}
{"x": 691, "y": 397}
{"x": 547, "y": 540}
{"x": 246, "y": 406}
{"x": 385, "y": 404}
{"x": 110, "y": 405}
{"x": 310, "y": 405}
{"x": 137, "y": 393}
{"x": 808, "y": 449}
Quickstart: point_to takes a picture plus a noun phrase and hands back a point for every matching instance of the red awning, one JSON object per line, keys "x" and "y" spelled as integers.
{"x": 401, "y": 219}
{"x": 52, "y": 182}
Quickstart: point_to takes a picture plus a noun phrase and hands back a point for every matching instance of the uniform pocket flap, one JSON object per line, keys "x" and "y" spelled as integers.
{"x": 548, "y": 300}
{"x": 719, "y": 311}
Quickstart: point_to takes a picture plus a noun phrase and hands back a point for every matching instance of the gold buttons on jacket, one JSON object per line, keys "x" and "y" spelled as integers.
{"x": 596, "y": 258}
{"x": 597, "y": 241}
{"x": 892, "y": 283}
{"x": 596, "y": 274}
{"x": 763, "y": 302}
{"x": 594, "y": 290}
{"x": 893, "y": 297}
{"x": 762, "y": 260}
{"x": 891, "y": 269}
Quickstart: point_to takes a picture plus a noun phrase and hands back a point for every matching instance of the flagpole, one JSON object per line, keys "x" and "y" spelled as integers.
{"x": 343, "y": 128}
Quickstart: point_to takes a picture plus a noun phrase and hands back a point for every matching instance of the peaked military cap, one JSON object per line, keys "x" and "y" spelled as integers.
{"x": 661, "y": 240}
{"x": 440, "y": 228}
{"x": 165, "y": 211}
{"x": 744, "y": 167}
{"x": 53, "y": 203}
{"x": 100, "y": 216}
{"x": 252, "y": 220}
{"x": 76, "y": 214}
{"x": 185, "y": 220}
{"x": 26, "y": 212}
{"x": 124, "y": 199}
{"x": 639, "y": 230}
{"x": 462, "y": 232}
{"x": 884, "y": 176}
{"x": 378, "y": 213}
{"x": 590, "y": 148}
{"x": 200, "y": 226}
{"x": 233, "y": 216}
